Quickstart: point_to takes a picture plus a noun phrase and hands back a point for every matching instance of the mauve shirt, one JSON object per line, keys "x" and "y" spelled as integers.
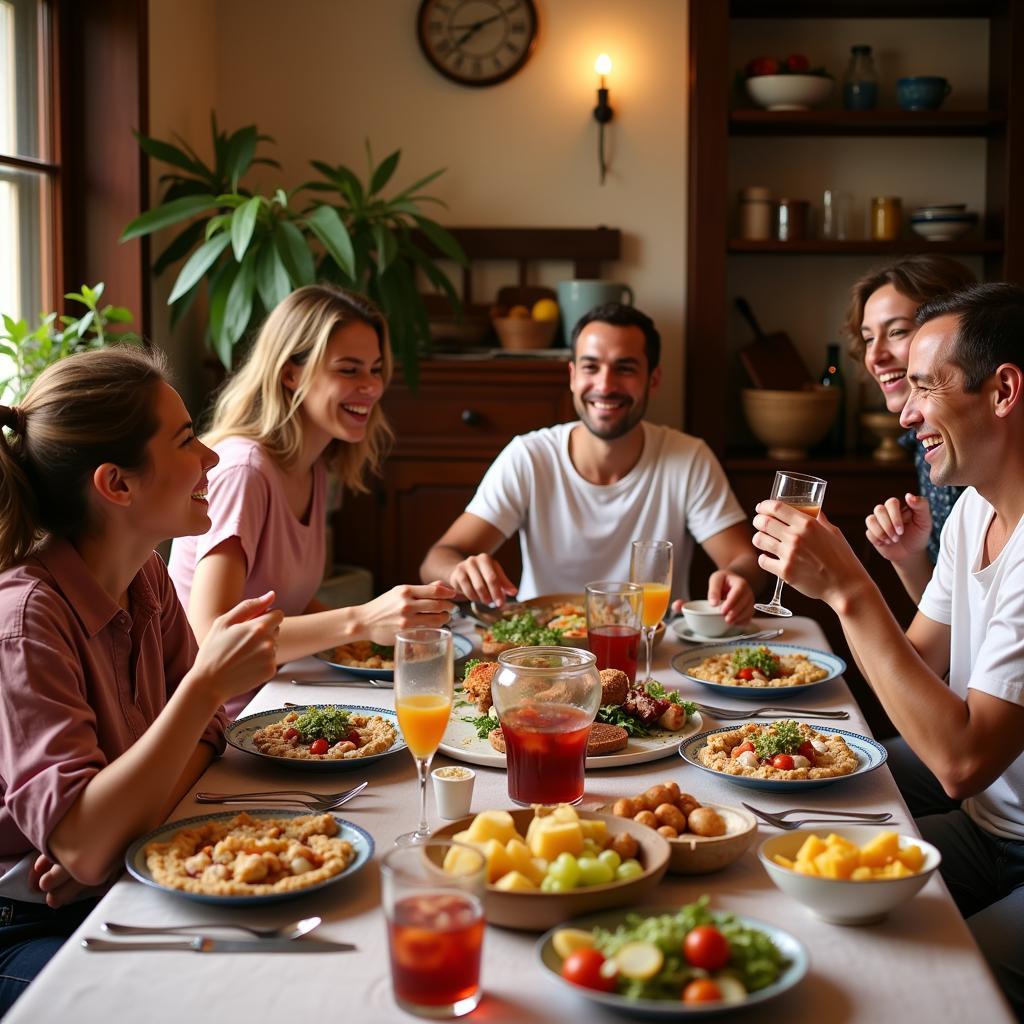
{"x": 248, "y": 500}
{"x": 81, "y": 679}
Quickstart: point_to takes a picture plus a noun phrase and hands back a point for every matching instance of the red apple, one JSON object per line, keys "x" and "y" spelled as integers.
{"x": 797, "y": 63}
{"x": 762, "y": 66}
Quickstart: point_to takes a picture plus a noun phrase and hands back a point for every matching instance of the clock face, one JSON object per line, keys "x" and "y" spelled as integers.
{"x": 477, "y": 42}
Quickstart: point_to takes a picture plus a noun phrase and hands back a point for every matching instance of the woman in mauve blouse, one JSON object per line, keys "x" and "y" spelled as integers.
{"x": 108, "y": 714}
{"x": 304, "y": 404}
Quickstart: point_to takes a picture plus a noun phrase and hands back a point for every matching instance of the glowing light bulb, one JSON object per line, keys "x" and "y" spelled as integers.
{"x": 603, "y": 66}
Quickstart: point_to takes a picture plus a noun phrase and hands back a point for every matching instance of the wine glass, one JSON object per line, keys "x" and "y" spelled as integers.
{"x": 805, "y": 494}
{"x": 650, "y": 565}
{"x": 424, "y": 690}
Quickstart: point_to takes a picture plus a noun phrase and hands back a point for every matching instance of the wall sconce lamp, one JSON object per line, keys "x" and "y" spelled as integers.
{"x": 603, "y": 112}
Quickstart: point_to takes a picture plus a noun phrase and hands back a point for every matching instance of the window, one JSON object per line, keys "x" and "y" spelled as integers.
{"x": 28, "y": 165}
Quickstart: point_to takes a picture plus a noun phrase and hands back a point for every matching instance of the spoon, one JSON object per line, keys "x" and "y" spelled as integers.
{"x": 295, "y": 930}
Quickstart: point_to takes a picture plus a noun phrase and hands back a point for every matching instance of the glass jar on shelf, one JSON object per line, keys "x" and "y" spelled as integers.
{"x": 860, "y": 83}
{"x": 757, "y": 210}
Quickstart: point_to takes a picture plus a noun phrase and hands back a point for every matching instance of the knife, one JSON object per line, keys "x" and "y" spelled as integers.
{"x": 204, "y": 944}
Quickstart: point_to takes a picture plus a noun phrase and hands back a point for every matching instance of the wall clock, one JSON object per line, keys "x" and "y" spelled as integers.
{"x": 477, "y": 42}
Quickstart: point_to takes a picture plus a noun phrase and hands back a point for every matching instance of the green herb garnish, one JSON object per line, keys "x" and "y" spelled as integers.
{"x": 524, "y": 631}
{"x": 782, "y": 737}
{"x": 384, "y": 652}
{"x": 470, "y": 665}
{"x": 756, "y": 657}
{"x": 658, "y": 692}
{"x": 329, "y": 723}
{"x": 614, "y": 714}
{"x": 484, "y": 724}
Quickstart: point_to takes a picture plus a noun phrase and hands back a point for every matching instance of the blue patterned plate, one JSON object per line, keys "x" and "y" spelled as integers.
{"x": 462, "y": 647}
{"x": 240, "y": 733}
{"x": 135, "y": 857}
{"x": 832, "y": 664}
{"x": 869, "y": 753}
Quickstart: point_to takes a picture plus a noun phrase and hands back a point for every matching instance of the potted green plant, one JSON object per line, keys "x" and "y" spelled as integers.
{"x": 32, "y": 349}
{"x": 251, "y": 250}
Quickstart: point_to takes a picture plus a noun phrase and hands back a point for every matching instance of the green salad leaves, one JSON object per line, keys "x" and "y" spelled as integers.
{"x": 756, "y": 657}
{"x": 329, "y": 723}
{"x": 782, "y": 737}
{"x": 524, "y": 631}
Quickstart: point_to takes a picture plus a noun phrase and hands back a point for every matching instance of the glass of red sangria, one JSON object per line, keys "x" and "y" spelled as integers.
{"x": 433, "y": 901}
{"x": 614, "y": 621}
{"x": 547, "y": 699}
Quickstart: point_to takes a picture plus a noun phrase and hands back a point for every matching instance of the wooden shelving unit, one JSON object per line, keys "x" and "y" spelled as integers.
{"x": 861, "y": 247}
{"x": 904, "y": 123}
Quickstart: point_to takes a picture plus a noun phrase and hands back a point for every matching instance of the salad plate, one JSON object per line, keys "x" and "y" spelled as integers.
{"x": 462, "y": 647}
{"x": 834, "y": 666}
{"x": 870, "y": 755}
{"x": 791, "y": 973}
{"x": 240, "y": 735}
{"x": 135, "y": 857}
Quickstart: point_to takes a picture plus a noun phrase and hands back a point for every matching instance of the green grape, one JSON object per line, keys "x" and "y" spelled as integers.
{"x": 628, "y": 869}
{"x": 590, "y": 848}
{"x": 611, "y": 858}
{"x": 565, "y": 869}
{"x": 547, "y": 884}
{"x": 594, "y": 871}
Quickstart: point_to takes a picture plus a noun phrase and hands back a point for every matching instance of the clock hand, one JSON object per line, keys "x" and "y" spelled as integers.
{"x": 471, "y": 30}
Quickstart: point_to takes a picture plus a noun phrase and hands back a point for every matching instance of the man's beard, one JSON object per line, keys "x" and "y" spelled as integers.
{"x": 632, "y": 417}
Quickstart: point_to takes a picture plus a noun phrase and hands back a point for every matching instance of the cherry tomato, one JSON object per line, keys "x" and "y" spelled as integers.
{"x": 784, "y": 762}
{"x": 583, "y": 967}
{"x": 291, "y": 734}
{"x": 807, "y": 750}
{"x": 745, "y": 673}
{"x": 705, "y": 946}
{"x": 743, "y": 748}
{"x": 701, "y": 990}
{"x": 354, "y": 737}
{"x": 319, "y": 746}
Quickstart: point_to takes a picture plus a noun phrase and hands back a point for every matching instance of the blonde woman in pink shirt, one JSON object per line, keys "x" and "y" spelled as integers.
{"x": 305, "y": 404}
{"x": 108, "y": 714}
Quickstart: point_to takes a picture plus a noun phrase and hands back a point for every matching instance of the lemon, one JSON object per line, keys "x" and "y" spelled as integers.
{"x": 545, "y": 309}
{"x": 568, "y": 940}
{"x": 640, "y": 960}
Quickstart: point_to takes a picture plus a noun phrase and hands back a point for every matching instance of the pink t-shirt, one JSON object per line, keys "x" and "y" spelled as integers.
{"x": 81, "y": 679}
{"x": 282, "y": 553}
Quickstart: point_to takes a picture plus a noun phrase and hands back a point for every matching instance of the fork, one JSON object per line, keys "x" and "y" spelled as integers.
{"x": 292, "y": 930}
{"x": 779, "y": 820}
{"x": 770, "y": 711}
{"x": 315, "y": 801}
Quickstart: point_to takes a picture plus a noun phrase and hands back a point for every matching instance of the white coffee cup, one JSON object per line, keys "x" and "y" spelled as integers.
{"x": 704, "y": 618}
{"x": 453, "y": 790}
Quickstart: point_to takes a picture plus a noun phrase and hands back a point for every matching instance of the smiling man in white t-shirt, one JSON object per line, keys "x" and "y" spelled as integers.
{"x": 960, "y": 763}
{"x": 579, "y": 493}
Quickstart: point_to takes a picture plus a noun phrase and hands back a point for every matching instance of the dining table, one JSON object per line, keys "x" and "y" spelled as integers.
{"x": 920, "y": 963}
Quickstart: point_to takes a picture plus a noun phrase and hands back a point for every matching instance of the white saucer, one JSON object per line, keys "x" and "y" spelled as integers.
{"x": 683, "y": 631}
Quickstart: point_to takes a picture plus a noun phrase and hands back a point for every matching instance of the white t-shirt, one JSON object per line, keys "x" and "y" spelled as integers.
{"x": 574, "y": 532}
{"x": 985, "y": 610}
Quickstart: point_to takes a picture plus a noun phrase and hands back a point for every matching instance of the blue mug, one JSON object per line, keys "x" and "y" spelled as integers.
{"x": 922, "y": 92}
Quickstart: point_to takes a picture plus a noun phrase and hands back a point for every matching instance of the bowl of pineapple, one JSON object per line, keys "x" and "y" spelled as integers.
{"x": 852, "y": 874}
{"x": 548, "y": 864}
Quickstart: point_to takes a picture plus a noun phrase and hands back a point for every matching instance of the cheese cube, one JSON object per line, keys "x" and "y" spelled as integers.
{"x": 498, "y": 861}
{"x": 515, "y": 881}
{"x": 595, "y": 829}
{"x": 555, "y": 838}
{"x": 492, "y": 825}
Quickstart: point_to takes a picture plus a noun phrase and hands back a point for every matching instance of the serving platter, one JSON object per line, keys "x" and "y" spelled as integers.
{"x": 672, "y": 1009}
{"x": 684, "y": 662}
{"x": 870, "y": 755}
{"x": 462, "y": 647}
{"x": 135, "y": 857}
{"x": 240, "y": 735}
{"x": 461, "y": 742}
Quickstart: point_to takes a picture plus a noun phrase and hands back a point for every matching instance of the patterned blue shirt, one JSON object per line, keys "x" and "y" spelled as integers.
{"x": 940, "y": 499}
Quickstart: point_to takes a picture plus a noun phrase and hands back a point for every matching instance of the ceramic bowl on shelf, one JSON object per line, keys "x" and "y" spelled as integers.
{"x": 790, "y": 422}
{"x": 789, "y": 92}
{"x": 886, "y": 427}
{"x": 942, "y": 227}
{"x": 521, "y": 334}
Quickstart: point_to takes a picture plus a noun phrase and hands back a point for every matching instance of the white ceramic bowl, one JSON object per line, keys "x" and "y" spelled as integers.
{"x": 942, "y": 227}
{"x": 789, "y": 92}
{"x": 704, "y": 618}
{"x": 838, "y": 901}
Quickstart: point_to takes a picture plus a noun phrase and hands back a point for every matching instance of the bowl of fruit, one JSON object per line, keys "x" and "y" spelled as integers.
{"x": 547, "y": 864}
{"x": 787, "y": 84}
{"x": 850, "y": 874}
{"x": 520, "y": 327}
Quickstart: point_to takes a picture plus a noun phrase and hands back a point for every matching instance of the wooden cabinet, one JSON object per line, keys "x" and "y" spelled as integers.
{"x": 447, "y": 434}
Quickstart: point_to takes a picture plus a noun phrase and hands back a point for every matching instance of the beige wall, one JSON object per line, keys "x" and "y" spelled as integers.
{"x": 321, "y": 76}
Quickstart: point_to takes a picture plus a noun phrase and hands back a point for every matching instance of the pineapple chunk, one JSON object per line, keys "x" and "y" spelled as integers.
{"x": 461, "y": 862}
{"x": 911, "y": 857}
{"x": 812, "y": 846}
{"x": 839, "y": 842}
{"x": 784, "y": 862}
{"x": 519, "y": 855}
{"x": 595, "y": 829}
{"x": 498, "y": 861}
{"x": 492, "y": 825}
{"x": 881, "y": 850}
{"x": 836, "y": 862}
{"x": 862, "y": 874}
{"x": 565, "y": 812}
{"x": 515, "y": 881}
{"x": 555, "y": 838}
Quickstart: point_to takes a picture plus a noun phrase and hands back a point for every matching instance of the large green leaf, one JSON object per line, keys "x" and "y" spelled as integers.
{"x": 386, "y": 246}
{"x": 182, "y": 244}
{"x": 220, "y": 286}
{"x": 325, "y": 223}
{"x": 272, "y": 280}
{"x": 243, "y": 221}
{"x": 294, "y": 252}
{"x": 238, "y": 310}
{"x": 241, "y": 149}
{"x": 167, "y": 214}
{"x": 198, "y": 263}
{"x": 382, "y": 175}
{"x": 444, "y": 240}
{"x": 417, "y": 185}
{"x": 169, "y": 154}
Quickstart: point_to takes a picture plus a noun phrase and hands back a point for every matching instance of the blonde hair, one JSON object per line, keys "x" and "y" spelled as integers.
{"x": 255, "y": 403}
{"x": 82, "y": 411}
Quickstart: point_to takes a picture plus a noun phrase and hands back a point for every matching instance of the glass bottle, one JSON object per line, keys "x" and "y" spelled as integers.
{"x": 860, "y": 84}
{"x": 832, "y": 377}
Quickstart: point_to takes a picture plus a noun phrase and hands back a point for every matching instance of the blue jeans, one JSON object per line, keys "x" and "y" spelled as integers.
{"x": 984, "y": 873}
{"x": 30, "y": 933}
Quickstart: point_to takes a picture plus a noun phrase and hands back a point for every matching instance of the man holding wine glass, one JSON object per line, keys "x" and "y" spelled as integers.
{"x": 960, "y": 761}
{"x": 580, "y": 493}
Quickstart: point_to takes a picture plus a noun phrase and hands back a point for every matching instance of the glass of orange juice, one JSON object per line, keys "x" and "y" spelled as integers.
{"x": 650, "y": 565}
{"x": 424, "y": 689}
{"x": 805, "y": 494}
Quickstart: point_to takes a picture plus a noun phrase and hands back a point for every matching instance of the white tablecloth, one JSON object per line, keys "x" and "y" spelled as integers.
{"x": 920, "y": 965}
